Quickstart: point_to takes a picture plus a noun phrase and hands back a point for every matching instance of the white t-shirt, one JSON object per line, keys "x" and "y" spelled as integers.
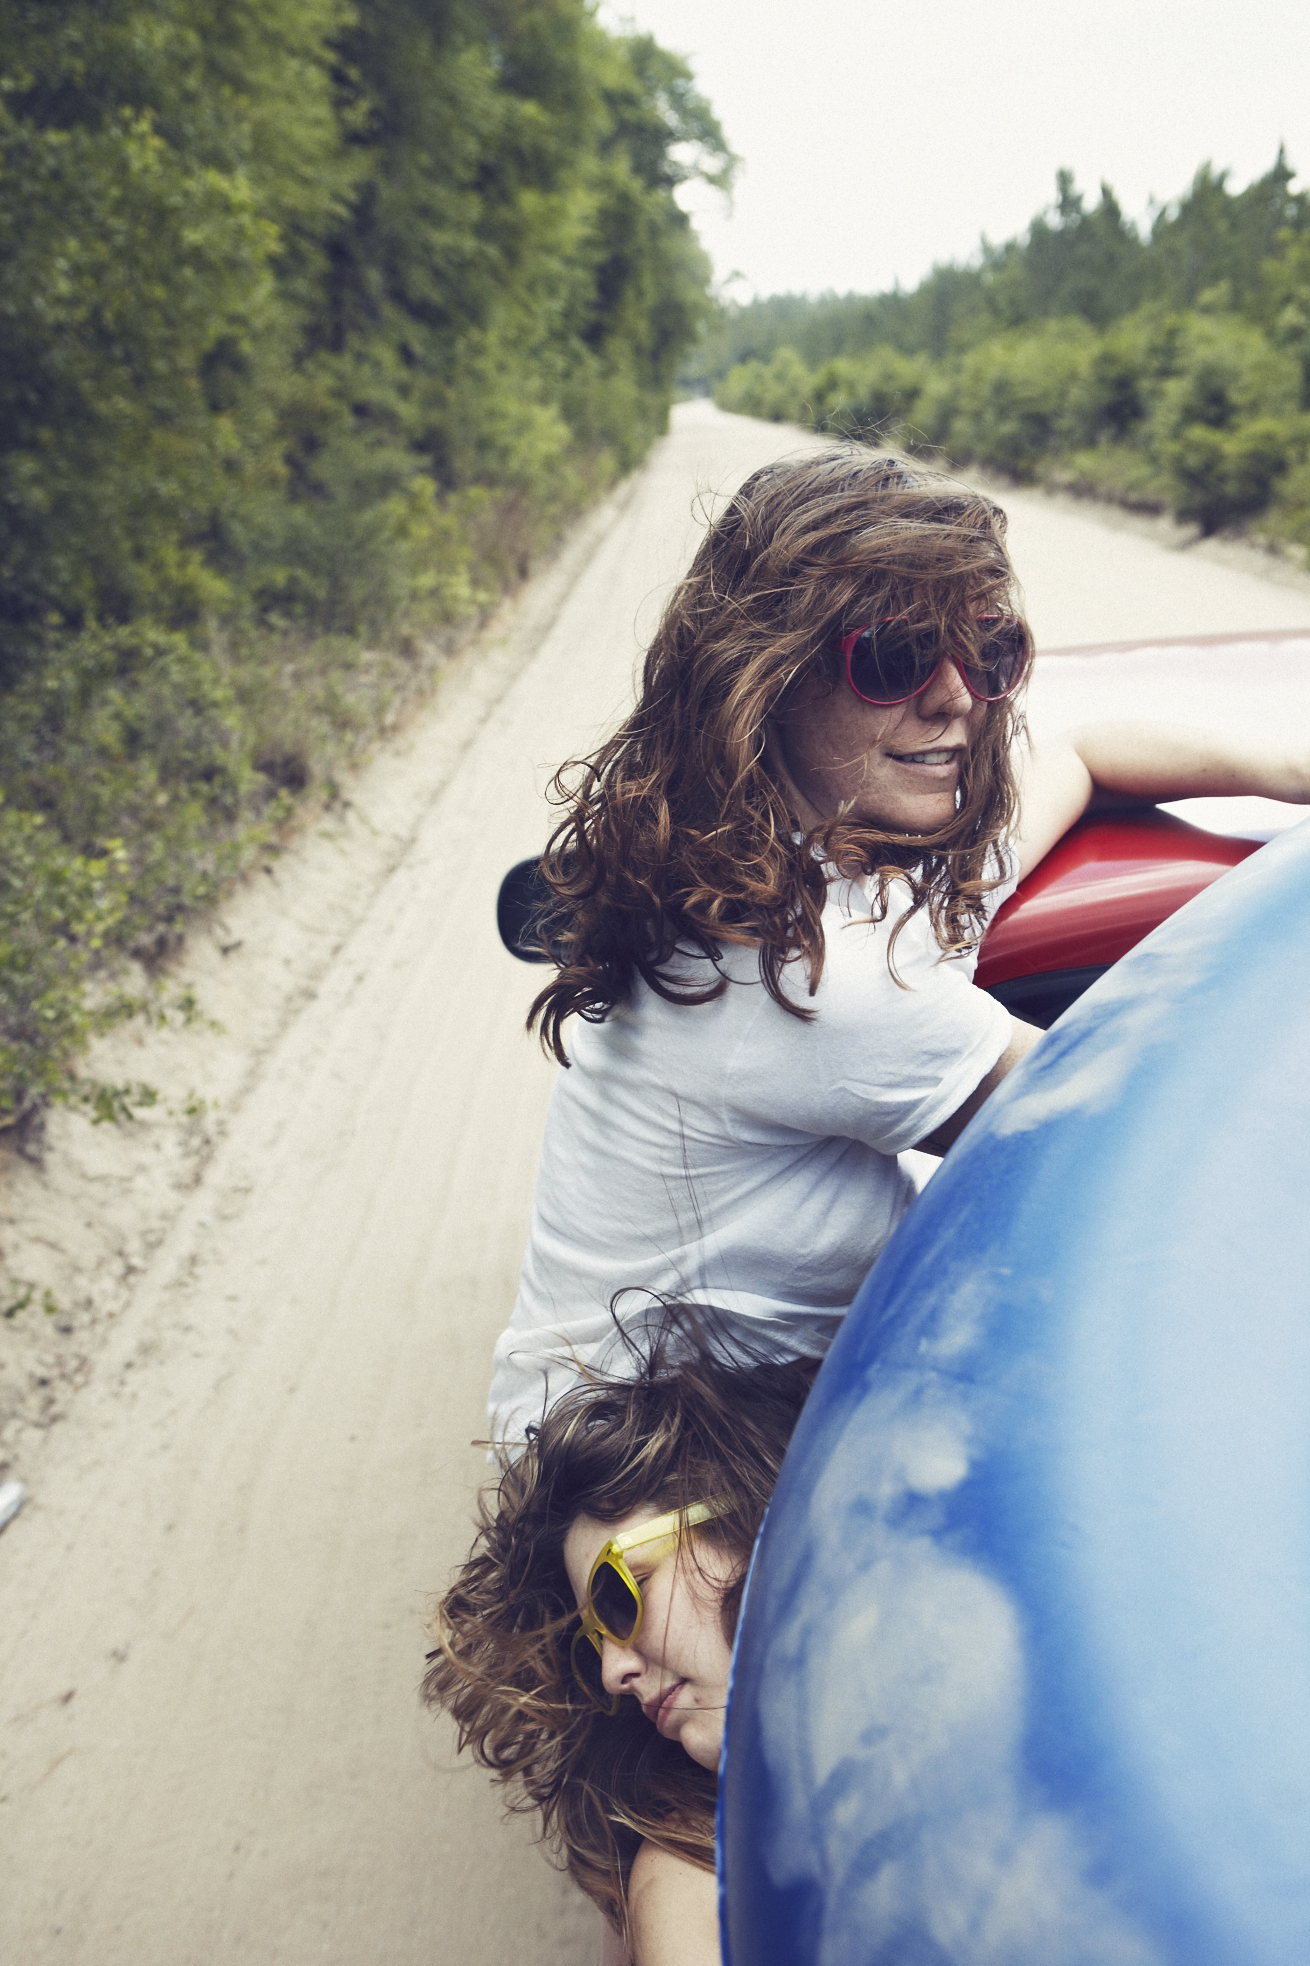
{"x": 729, "y": 1154}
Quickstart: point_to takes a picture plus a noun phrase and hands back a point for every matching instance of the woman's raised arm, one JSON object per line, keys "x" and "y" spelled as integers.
{"x": 1060, "y": 777}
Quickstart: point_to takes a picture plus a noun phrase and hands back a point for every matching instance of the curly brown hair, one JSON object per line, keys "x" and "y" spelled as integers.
{"x": 678, "y": 833}
{"x": 693, "y": 1423}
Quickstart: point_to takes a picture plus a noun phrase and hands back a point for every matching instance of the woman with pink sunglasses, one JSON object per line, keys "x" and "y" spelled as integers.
{"x": 769, "y": 887}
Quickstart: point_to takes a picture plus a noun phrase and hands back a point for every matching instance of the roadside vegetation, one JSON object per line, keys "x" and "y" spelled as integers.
{"x": 317, "y": 323}
{"x": 1167, "y": 369}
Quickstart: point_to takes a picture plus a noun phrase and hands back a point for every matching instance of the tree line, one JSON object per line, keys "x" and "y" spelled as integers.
{"x": 1166, "y": 367}
{"x": 318, "y": 319}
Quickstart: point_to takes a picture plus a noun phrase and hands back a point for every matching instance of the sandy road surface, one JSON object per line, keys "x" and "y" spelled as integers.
{"x": 210, "y": 1612}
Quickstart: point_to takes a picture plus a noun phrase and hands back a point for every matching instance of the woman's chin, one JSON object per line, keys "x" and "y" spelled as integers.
{"x": 915, "y": 817}
{"x": 703, "y": 1741}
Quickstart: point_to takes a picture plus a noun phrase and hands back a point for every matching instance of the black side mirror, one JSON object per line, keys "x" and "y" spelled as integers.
{"x": 522, "y": 906}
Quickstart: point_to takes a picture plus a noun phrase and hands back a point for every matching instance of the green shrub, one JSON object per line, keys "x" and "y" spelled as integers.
{"x": 936, "y": 404}
{"x": 135, "y": 735}
{"x": 1224, "y": 371}
{"x": 122, "y": 267}
{"x": 872, "y": 395}
{"x": 317, "y": 322}
{"x": 58, "y": 911}
{"x": 1164, "y": 367}
{"x": 1192, "y": 413}
{"x": 1007, "y": 402}
{"x": 1219, "y": 477}
{"x": 1111, "y": 401}
{"x": 1117, "y": 472}
{"x": 143, "y": 773}
{"x": 779, "y": 391}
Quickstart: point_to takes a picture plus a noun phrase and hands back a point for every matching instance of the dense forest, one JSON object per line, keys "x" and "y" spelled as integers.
{"x": 318, "y": 319}
{"x": 1166, "y": 367}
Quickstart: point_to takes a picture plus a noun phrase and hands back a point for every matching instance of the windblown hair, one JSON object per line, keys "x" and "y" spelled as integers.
{"x": 678, "y": 835}
{"x": 694, "y": 1423}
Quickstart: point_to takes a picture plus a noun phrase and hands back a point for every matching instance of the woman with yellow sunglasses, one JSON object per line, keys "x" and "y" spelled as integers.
{"x": 584, "y": 1648}
{"x": 611, "y": 1651}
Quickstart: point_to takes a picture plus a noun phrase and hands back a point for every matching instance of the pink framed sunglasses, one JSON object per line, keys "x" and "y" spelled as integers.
{"x": 890, "y": 661}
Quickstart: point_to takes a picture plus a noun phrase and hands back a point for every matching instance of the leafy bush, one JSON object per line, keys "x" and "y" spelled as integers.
{"x": 871, "y": 395}
{"x": 1218, "y": 477}
{"x": 1007, "y": 402}
{"x": 1289, "y": 515}
{"x": 779, "y": 391}
{"x": 283, "y": 282}
{"x": 135, "y": 735}
{"x": 1224, "y": 371}
{"x": 123, "y": 267}
{"x": 867, "y": 395}
{"x": 1117, "y": 472}
{"x": 1111, "y": 401}
{"x": 1194, "y": 413}
{"x": 317, "y": 322}
{"x": 58, "y": 910}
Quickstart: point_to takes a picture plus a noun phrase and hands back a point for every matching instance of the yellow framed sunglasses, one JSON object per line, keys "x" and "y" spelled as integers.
{"x": 614, "y": 1606}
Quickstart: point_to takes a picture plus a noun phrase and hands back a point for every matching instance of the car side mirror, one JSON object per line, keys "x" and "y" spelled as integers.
{"x": 522, "y": 906}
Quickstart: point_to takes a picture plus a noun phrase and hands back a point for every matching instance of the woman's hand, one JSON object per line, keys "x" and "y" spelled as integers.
{"x": 1060, "y": 778}
{"x": 673, "y": 1908}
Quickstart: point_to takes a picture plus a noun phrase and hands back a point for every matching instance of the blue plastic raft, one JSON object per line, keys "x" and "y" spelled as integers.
{"x": 1024, "y": 1673}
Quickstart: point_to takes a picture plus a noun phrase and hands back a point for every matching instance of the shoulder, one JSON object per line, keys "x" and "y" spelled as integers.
{"x": 698, "y": 1003}
{"x": 873, "y": 949}
{"x": 673, "y": 1910}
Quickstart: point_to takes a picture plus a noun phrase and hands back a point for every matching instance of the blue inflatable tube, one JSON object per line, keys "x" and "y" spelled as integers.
{"x": 1023, "y": 1677}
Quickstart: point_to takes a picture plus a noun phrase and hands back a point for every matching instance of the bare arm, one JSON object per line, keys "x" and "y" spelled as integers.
{"x": 1060, "y": 778}
{"x": 1022, "y": 1039}
{"x": 674, "y": 1911}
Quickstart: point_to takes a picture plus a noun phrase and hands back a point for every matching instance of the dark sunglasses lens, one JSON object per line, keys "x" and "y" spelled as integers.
{"x": 613, "y": 1602}
{"x": 1002, "y": 657}
{"x": 586, "y": 1663}
{"x": 889, "y": 662}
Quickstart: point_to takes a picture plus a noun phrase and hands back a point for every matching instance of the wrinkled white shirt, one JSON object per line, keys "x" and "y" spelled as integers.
{"x": 730, "y": 1154}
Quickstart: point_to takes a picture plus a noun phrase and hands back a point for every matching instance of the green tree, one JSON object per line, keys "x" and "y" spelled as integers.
{"x": 1072, "y": 262}
{"x": 1007, "y": 402}
{"x": 1220, "y": 476}
{"x": 316, "y": 320}
{"x": 326, "y": 312}
{"x": 1213, "y": 238}
{"x": 780, "y": 390}
{"x": 143, "y": 322}
{"x": 1166, "y": 370}
{"x": 870, "y": 395}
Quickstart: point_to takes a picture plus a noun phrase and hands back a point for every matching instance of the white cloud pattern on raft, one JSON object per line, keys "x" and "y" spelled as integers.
{"x": 923, "y": 1831}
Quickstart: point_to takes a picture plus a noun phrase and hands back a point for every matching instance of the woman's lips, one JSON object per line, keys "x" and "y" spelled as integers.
{"x": 931, "y": 758}
{"x": 659, "y": 1710}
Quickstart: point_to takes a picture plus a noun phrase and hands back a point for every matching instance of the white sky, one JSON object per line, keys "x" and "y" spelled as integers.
{"x": 877, "y": 138}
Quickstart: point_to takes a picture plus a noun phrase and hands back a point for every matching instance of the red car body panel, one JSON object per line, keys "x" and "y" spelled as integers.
{"x": 1112, "y": 879}
{"x": 1107, "y": 883}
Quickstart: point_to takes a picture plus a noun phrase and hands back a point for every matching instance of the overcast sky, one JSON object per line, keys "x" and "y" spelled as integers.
{"x": 878, "y": 138}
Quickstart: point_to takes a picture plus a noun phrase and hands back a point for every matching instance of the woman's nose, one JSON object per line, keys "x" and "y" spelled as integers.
{"x": 619, "y": 1666}
{"x": 947, "y": 694}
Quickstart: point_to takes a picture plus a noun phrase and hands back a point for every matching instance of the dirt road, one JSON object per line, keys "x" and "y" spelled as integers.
{"x": 211, "y": 1623}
